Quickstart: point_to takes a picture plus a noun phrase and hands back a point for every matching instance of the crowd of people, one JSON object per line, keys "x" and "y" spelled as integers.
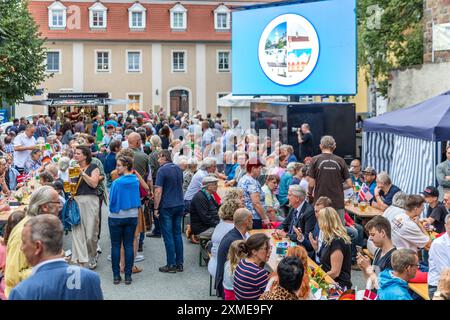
{"x": 150, "y": 174}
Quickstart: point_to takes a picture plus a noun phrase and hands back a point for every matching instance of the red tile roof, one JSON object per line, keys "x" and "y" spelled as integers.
{"x": 200, "y": 23}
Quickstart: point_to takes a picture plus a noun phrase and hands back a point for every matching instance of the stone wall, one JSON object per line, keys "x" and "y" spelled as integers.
{"x": 414, "y": 85}
{"x": 437, "y": 11}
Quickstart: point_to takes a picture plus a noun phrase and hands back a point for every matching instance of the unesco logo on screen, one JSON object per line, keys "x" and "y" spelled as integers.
{"x": 288, "y": 49}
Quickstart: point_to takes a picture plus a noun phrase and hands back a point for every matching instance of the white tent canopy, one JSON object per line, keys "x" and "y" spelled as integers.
{"x": 244, "y": 101}
{"x": 238, "y": 107}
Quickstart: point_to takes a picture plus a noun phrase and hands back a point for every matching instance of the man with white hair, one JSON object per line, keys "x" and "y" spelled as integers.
{"x": 326, "y": 174}
{"x": 384, "y": 191}
{"x": 44, "y": 200}
{"x": 397, "y": 207}
{"x": 300, "y": 217}
{"x": 207, "y": 167}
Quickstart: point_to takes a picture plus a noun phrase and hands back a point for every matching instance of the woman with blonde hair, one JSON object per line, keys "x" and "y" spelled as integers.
{"x": 304, "y": 293}
{"x": 235, "y": 255}
{"x": 335, "y": 252}
{"x": 226, "y": 212}
{"x": 234, "y": 194}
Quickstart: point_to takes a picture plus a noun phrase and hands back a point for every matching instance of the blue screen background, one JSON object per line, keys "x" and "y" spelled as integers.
{"x": 335, "y": 72}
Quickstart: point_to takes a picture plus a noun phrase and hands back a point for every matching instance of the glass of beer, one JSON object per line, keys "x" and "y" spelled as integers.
{"x": 77, "y": 171}
{"x": 71, "y": 173}
{"x": 363, "y": 206}
{"x": 73, "y": 187}
{"x": 66, "y": 186}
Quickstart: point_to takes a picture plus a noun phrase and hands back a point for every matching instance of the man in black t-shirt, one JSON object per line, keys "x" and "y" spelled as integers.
{"x": 305, "y": 138}
{"x": 327, "y": 174}
{"x": 379, "y": 229}
{"x": 436, "y": 210}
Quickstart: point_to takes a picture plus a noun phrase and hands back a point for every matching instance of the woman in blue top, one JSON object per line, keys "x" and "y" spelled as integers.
{"x": 123, "y": 217}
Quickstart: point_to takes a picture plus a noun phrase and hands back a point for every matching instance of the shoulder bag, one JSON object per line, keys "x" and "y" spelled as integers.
{"x": 71, "y": 211}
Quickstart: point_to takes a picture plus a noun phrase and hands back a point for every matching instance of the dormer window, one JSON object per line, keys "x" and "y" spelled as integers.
{"x": 98, "y": 16}
{"x": 222, "y": 17}
{"x": 136, "y": 16}
{"x": 178, "y": 17}
{"x": 57, "y": 15}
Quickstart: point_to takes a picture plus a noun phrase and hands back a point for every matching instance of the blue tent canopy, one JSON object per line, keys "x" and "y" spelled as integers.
{"x": 428, "y": 120}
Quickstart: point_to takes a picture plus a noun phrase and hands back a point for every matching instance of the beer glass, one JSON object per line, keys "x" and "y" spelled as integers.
{"x": 71, "y": 172}
{"x": 363, "y": 206}
{"x": 73, "y": 187}
{"x": 77, "y": 171}
{"x": 67, "y": 186}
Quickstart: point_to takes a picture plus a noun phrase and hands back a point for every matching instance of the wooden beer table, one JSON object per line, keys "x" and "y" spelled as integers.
{"x": 275, "y": 259}
{"x": 370, "y": 211}
{"x": 222, "y": 189}
{"x": 421, "y": 289}
{"x": 4, "y": 215}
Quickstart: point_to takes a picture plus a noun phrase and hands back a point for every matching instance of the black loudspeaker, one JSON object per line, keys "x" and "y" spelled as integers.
{"x": 335, "y": 119}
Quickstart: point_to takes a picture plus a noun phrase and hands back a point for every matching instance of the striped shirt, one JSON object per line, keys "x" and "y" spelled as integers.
{"x": 250, "y": 281}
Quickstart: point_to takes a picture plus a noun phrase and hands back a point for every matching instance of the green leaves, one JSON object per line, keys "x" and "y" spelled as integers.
{"x": 22, "y": 52}
{"x": 390, "y": 36}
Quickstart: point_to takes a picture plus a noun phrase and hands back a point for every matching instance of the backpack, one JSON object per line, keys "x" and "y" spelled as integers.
{"x": 71, "y": 212}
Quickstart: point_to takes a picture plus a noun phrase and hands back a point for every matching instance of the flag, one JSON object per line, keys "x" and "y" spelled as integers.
{"x": 364, "y": 193}
{"x": 370, "y": 295}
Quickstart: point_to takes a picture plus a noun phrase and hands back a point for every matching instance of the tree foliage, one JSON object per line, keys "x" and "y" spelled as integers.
{"x": 22, "y": 52}
{"x": 390, "y": 36}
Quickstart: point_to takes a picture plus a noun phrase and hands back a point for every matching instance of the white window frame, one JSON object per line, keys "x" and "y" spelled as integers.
{"x": 141, "y": 97}
{"x": 178, "y": 8}
{"x": 222, "y": 9}
{"x": 59, "y": 64}
{"x": 172, "y": 60}
{"x": 217, "y": 61}
{"x": 98, "y": 7}
{"x": 127, "y": 70}
{"x": 137, "y": 8}
{"x": 57, "y": 6}
{"x": 109, "y": 61}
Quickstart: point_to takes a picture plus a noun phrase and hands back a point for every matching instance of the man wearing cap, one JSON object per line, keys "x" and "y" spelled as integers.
{"x": 370, "y": 179}
{"x": 436, "y": 211}
{"x": 204, "y": 209}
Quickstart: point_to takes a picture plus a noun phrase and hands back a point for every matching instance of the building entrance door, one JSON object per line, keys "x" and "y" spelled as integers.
{"x": 179, "y": 101}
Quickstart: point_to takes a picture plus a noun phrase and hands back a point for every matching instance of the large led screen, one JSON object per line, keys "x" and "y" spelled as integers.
{"x": 306, "y": 48}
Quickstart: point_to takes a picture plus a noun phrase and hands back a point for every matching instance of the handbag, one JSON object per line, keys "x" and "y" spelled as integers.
{"x": 71, "y": 211}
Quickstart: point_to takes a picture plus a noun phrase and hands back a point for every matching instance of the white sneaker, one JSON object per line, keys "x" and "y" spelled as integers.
{"x": 109, "y": 258}
{"x": 93, "y": 264}
{"x": 139, "y": 258}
